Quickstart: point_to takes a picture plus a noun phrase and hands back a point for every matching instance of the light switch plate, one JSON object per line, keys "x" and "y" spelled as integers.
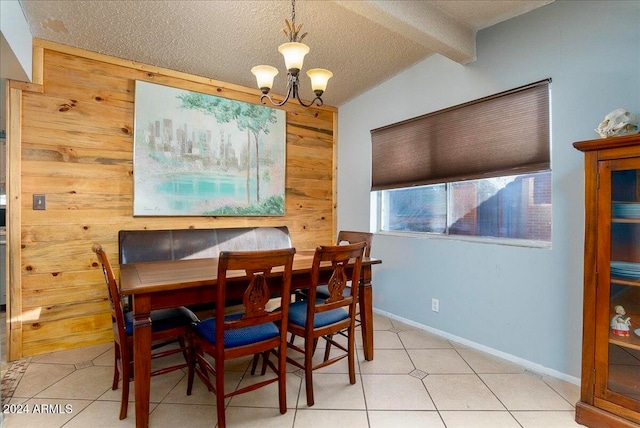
{"x": 39, "y": 202}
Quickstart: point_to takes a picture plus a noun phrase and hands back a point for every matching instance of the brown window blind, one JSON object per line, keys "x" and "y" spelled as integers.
{"x": 502, "y": 134}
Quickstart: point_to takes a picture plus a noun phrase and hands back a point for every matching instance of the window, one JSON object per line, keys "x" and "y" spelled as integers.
{"x": 489, "y": 177}
{"x": 502, "y": 207}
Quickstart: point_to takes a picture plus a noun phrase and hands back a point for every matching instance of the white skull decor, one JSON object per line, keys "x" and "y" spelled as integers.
{"x": 618, "y": 122}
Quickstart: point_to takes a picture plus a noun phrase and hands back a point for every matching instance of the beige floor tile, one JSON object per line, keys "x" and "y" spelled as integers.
{"x": 405, "y": 419}
{"x": 160, "y": 387}
{"x": 401, "y": 326}
{"x": 381, "y": 322}
{"x": 438, "y": 361}
{"x": 461, "y": 392}
{"x": 568, "y": 391}
{"x": 475, "y": 419}
{"x": 44, "y": 413}
{"x": 238, "y": 364}
{"x": 18, "y": 400}
{"x": 482, "y": 362}
{"x": 267, "y": 396}
{"x": 416, "y": 339}
{"x": 88, "y": 383}
{"x": 199, "y": 394}
{"x": 314, "y": 418}
{"x": 74, "y": 356}
{"x": 541, "y": 419}
{"x": 251, "y": 417}
{"x": 341, "y": 366}
{"x": 382, "y": 339}
{"x": 387, "y": 361}
{"x": 396, "y": 392}
{"x": 106, "y": 358}
{"x": 104, "y": 414}
{"x": 168, "y": 361}
{"x": 170, "y": 415}
{"x": 165, "y": 384}
{"x": 333, "y": 391}
{"x": 38, "y": 377}
{"x": 524, "y": 392}
{"x": 457, "y": 345}
{"x": 290, "y": 367}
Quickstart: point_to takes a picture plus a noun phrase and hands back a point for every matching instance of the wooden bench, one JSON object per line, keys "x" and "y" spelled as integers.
{"x": 179, "y": 244}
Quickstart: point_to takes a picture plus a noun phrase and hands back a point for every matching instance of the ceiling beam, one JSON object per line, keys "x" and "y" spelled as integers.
{"x": 15, "y": 43}
{"x": 421, "y": 22}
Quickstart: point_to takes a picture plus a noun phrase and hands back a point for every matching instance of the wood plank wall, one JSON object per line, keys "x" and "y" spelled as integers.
{"x": 76, "y": 147}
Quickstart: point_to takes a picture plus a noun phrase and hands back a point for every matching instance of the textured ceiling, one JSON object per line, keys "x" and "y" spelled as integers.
{"x": 362, "y": 42}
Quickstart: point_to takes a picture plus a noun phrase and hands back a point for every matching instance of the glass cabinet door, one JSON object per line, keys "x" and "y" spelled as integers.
{"x": 618, "y": 291}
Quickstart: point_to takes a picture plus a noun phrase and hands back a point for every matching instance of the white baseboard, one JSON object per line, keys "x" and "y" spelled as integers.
{"x": 520, "y": 361}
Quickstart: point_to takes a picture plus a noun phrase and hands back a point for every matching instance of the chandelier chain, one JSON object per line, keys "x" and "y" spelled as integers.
{"x": 293, "y": 13}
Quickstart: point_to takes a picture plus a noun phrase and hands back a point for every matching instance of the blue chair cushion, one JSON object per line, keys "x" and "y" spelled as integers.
{"x": 322, "y": 291}
{"x": 298, "y": 315}
{"x": 238, "y": 336}
{"x": 163, "y": 319}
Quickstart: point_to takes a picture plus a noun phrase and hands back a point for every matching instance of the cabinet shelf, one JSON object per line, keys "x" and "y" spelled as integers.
{"x": 625, "y": 281}
{"x": 625, "y": 220}
{"x": 632, "y": 341}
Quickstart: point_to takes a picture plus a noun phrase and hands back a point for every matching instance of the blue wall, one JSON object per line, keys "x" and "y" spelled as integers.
{"x": 524, "y": 304}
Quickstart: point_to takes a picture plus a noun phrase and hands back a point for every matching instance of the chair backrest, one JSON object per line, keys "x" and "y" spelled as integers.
{"x": 342, "y": 258}
{"x": 352, "y": 237}
{"x": 260, "y": 267}
{"x": 115, "y": 300}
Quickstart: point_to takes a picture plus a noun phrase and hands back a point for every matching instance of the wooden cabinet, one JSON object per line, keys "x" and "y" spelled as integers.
{"x": 610, "y": 390}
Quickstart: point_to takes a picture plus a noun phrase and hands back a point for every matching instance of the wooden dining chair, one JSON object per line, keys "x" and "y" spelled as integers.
{"x": 316, "y": 318}
{"x": 168, "y": 325}
{"x": 254, "y": 331}
{"x": 348, "y": 237}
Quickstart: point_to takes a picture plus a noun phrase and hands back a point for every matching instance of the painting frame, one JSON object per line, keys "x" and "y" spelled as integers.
{"x": 196, "y": 154}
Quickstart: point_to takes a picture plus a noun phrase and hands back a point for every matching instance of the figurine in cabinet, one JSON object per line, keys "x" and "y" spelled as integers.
{"x": 619, "y": 323}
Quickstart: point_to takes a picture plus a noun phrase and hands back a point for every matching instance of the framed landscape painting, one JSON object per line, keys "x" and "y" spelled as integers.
{"x": 201, "y": 155}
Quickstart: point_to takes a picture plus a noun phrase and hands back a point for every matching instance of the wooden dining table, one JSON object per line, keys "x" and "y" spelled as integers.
{"x": 167, "y": 284}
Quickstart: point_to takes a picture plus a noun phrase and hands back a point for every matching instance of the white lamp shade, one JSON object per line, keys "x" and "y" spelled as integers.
{"x": 319, "y": 78}
{"x": 264, "y": 75}
{"x": 293, "y": 53}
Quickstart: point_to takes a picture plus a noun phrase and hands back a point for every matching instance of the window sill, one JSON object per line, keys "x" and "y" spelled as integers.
{"x": 476, "y": 239}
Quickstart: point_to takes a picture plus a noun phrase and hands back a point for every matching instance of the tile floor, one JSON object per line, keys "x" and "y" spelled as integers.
{"x": 417, "y": 379}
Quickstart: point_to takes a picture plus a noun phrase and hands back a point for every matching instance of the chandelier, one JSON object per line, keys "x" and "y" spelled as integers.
{"x": 293, "y": 52}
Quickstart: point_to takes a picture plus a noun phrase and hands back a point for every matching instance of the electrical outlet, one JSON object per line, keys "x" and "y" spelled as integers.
{"x": 39, "y": 202}
{"x": 435, "y": 305}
